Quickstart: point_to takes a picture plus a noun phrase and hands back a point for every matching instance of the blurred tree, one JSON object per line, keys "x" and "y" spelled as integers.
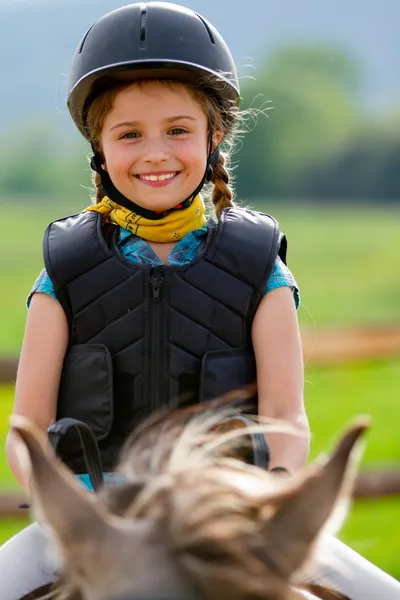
{"x": 313, "y": 95}
{"x": 35, "y": 162}
{"x": 367, "y": 169}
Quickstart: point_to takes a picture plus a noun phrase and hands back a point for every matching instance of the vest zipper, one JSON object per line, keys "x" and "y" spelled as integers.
{"x": 156, "y": 342}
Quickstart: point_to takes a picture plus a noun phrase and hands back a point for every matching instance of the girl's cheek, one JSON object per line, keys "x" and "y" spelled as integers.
{"x": 121, "y": 155}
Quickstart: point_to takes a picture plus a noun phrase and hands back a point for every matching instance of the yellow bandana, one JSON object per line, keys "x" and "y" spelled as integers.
{"x": 171, "y": 228}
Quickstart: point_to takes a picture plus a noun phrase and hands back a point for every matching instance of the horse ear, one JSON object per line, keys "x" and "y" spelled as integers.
{"x": 59, "y": 501}
{"x": 304, "y": 511}
{"x": 100, "y": 555}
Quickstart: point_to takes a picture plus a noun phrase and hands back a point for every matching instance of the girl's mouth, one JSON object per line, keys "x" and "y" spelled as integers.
{"x": 158, "y": 179}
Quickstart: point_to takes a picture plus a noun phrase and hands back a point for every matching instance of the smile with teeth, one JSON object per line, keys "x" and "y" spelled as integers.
{"x": 162, "y": 177}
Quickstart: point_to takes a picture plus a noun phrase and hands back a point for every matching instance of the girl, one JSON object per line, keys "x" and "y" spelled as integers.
{"x": 143, "y": 301}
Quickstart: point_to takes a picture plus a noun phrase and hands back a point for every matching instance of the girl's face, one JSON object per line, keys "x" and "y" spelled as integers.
{"x": 155, "y": 144}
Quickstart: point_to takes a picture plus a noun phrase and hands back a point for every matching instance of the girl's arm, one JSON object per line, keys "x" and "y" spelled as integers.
{"x": 278, "y": 352}
{"x": 39, "y": 370}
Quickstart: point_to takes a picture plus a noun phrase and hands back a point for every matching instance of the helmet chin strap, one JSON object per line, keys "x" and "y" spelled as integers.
{"x": 115, "y": 195}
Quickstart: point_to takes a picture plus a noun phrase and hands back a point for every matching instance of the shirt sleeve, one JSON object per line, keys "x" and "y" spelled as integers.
{"x": 281, "y": 276}
{"x": 42, "y": 284}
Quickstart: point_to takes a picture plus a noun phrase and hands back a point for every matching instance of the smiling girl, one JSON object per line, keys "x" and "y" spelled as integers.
{"x": 144, "y": 302}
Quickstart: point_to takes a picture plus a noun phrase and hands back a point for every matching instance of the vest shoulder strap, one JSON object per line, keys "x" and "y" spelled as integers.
{"x": 246, "y": 244}
{"x": 72, "y": 246}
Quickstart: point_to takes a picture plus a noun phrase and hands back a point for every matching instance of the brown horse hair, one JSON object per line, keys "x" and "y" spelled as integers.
{"x": 43, "y": 591}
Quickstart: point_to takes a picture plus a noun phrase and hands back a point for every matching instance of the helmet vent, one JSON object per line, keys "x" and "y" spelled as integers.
{"x": 210, "y": 35}
{"x": 85, "y": 38}
{"x": 143, "y": 23}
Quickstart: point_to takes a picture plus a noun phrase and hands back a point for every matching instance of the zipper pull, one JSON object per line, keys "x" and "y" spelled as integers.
{"x": 156, "y": 285}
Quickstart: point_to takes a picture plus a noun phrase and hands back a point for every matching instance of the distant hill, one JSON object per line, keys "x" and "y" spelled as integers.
{"x": 38, "y": 38}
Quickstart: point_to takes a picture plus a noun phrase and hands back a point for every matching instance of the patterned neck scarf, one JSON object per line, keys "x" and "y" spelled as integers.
{"x": 170, "y": 228}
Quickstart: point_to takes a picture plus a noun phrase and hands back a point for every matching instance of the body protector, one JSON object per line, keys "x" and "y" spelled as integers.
{"x": 144, "y": 337}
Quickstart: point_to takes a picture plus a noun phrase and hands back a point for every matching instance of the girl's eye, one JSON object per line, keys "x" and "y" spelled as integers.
{"x": 131, "y": 135}
{"x": 178, "y": 131}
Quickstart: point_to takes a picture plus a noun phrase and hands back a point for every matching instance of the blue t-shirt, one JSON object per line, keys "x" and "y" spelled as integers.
{"x": 184, "y": 252}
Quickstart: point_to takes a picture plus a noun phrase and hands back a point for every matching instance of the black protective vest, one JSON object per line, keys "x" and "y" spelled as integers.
{"x": 142, "y": 337}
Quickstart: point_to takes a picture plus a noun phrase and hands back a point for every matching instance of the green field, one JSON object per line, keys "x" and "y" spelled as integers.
{"x": 346, "y": 263}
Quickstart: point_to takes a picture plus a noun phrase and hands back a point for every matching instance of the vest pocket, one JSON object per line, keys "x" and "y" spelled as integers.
{"x": 86, "y": 388}
{"x": 224, "y": 371}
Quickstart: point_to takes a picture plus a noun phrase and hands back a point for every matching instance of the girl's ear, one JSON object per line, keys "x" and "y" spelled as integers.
{"x": 103, "y": 161}
{"x": 217, "y": 139}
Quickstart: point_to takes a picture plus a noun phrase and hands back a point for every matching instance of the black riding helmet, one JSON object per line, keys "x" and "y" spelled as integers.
{"x": 155, "y": 40}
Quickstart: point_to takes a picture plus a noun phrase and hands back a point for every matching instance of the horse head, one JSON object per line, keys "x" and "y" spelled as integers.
{"x": 185, "y": 520}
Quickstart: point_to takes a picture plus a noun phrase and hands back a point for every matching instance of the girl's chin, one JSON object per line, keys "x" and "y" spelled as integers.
{"x": 155, "y": 200}
{"x": 157, "y": 205}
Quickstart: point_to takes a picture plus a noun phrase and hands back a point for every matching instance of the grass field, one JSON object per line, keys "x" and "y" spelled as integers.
{"x": 346, "y": 263}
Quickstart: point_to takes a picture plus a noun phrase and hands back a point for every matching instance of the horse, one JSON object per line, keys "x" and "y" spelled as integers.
{"x": 187, "y": 518}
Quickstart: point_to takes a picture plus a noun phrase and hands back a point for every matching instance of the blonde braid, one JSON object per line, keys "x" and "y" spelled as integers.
{"x": 222, "y": 195}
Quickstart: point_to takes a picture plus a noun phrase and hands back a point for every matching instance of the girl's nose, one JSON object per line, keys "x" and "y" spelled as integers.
{"x": 156, "y": 151}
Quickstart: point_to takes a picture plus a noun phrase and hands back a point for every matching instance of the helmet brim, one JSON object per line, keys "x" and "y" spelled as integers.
{"x": 82, "y": 94}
